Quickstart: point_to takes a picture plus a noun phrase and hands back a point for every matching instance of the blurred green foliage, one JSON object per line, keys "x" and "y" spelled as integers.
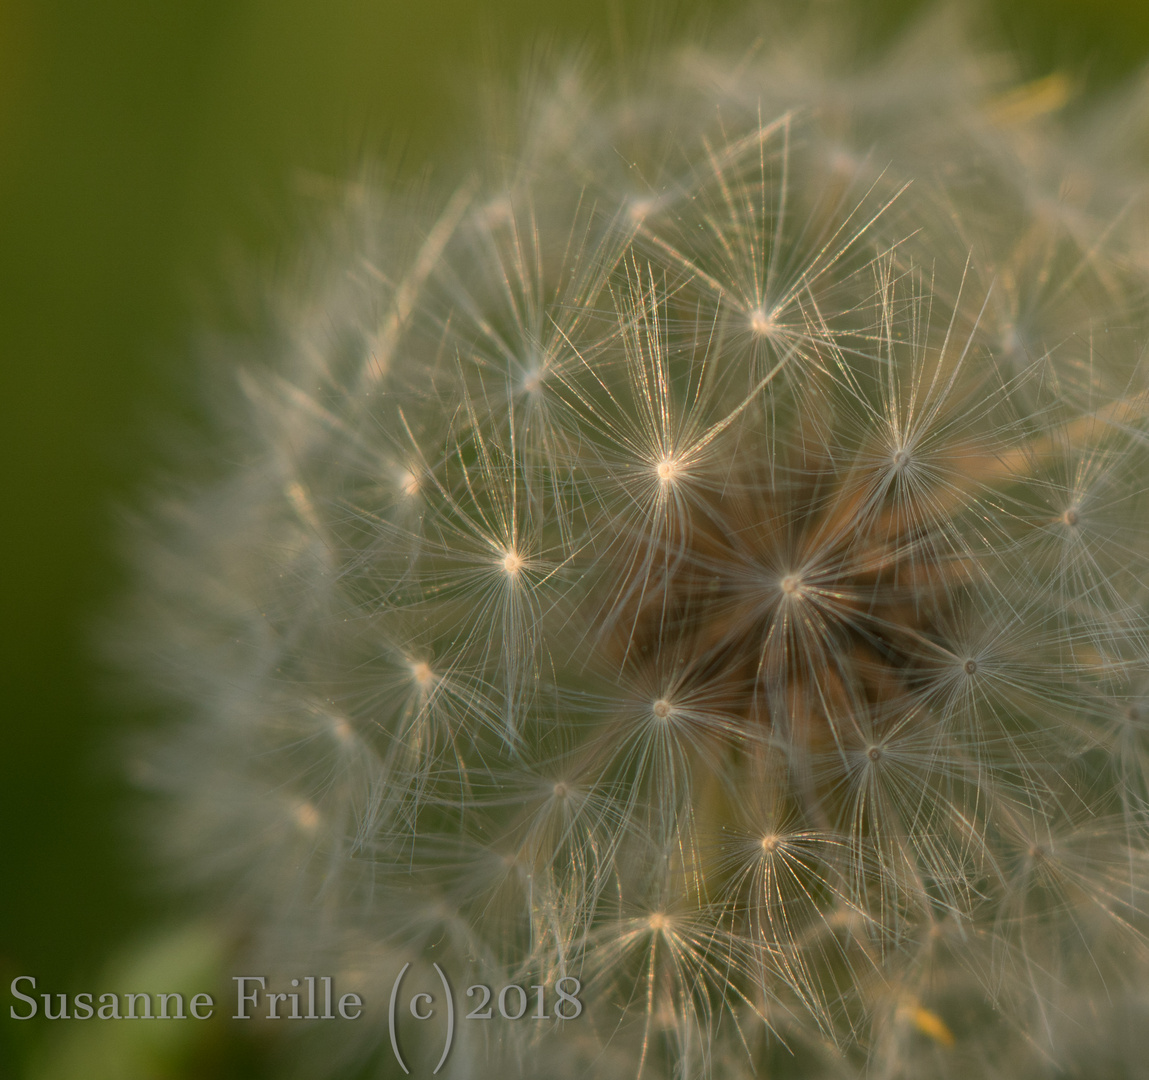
{"x": 141, "y": 145}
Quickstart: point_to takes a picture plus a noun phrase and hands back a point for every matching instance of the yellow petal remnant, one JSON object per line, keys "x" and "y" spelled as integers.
{"x": 1027, "y": 102}
{"x": 927, "y": 1022}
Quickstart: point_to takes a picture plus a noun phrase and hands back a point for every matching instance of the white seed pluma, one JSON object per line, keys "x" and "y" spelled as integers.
{"x": 708, "y": 558}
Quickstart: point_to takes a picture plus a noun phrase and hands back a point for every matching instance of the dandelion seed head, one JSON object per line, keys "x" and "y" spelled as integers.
{"x": 771, "y": 471}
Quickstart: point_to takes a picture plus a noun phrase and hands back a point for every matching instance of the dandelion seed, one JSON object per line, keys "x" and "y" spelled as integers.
{"x": 761, "y": 323}
{"x": 791, "y": 585}
{"x": 409, "y": 484}
{"x": 307, "y": 817}
{"x": 638, "y": 210}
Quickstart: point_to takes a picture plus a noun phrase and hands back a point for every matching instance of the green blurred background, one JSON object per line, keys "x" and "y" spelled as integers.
{"x": 146, "y": 148}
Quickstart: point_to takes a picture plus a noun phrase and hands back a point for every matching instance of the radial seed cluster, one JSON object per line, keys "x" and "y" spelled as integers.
{"x": 707, "y": 560}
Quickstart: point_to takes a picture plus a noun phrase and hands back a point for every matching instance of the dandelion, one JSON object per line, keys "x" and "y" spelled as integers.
{"x": 705, "y": 563}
